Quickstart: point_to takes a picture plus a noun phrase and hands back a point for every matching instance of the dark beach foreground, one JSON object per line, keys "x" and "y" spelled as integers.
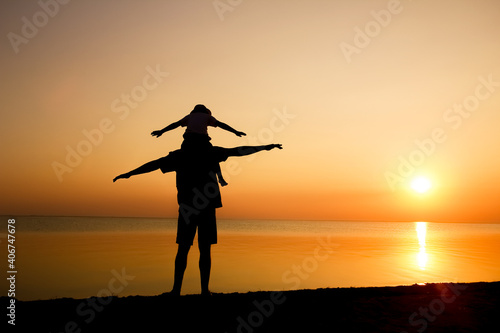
{"x": 447, "y": 307}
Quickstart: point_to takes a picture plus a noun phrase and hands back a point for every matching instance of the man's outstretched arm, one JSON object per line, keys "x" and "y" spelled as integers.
{"x": 148, "y": 167}
{"x": 248, "y": 150}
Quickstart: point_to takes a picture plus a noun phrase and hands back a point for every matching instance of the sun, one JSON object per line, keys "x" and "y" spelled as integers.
{"x": 421, "y": 184}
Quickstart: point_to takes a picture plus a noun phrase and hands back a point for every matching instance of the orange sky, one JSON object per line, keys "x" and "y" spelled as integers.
{"x": 364, "y": 96}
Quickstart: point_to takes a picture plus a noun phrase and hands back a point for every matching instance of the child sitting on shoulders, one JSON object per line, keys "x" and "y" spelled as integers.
{"x": 196, "y": 134}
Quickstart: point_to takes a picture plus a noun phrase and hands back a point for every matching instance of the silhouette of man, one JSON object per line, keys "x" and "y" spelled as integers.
{"x": 198, "y": 196}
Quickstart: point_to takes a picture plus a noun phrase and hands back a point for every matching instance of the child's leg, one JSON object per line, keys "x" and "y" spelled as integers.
{"x": 222, "y": 182}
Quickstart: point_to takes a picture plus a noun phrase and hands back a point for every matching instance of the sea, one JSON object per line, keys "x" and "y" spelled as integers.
{"x": 80, "y": 257}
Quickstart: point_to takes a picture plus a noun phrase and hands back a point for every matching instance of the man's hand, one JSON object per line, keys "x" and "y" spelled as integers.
{"x": 122, "y": 176}
{"x": 276, "y": 145}
{"x": 157, "y": 133}
{"x": 240, "y": 133}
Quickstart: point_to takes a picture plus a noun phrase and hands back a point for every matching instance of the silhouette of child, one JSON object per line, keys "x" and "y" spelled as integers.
{"x": 196, "y": 135}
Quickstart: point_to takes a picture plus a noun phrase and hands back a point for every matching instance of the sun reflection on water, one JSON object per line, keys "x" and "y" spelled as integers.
{"x": 422, "y": 256}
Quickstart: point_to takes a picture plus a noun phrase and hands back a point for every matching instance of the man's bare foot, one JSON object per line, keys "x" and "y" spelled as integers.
{"x": 172, "y": 293}
{"x": 206, "y": 293}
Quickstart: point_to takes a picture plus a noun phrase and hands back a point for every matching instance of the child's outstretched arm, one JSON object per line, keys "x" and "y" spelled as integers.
{"x": 229, "y": 128}
{"x": 168, "y": 128}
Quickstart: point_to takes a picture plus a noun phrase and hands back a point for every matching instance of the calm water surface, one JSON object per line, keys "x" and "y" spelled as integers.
{"x": 82, "y": 256}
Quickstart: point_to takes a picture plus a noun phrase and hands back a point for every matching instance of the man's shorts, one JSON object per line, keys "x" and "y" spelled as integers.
{"x": 205, "y": 221}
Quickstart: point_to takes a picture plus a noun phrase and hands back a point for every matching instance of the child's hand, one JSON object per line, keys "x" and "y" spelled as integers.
{"x": 157, "y": 133}
{"x": 240, "y": 134}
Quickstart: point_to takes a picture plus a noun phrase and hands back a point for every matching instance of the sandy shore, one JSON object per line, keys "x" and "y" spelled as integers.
{"x": 448, "y": 307}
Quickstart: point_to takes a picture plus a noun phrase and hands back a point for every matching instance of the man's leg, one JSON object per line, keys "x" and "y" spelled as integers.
{"x": 180, "y": 267}
{"x": 205, "y": 266}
